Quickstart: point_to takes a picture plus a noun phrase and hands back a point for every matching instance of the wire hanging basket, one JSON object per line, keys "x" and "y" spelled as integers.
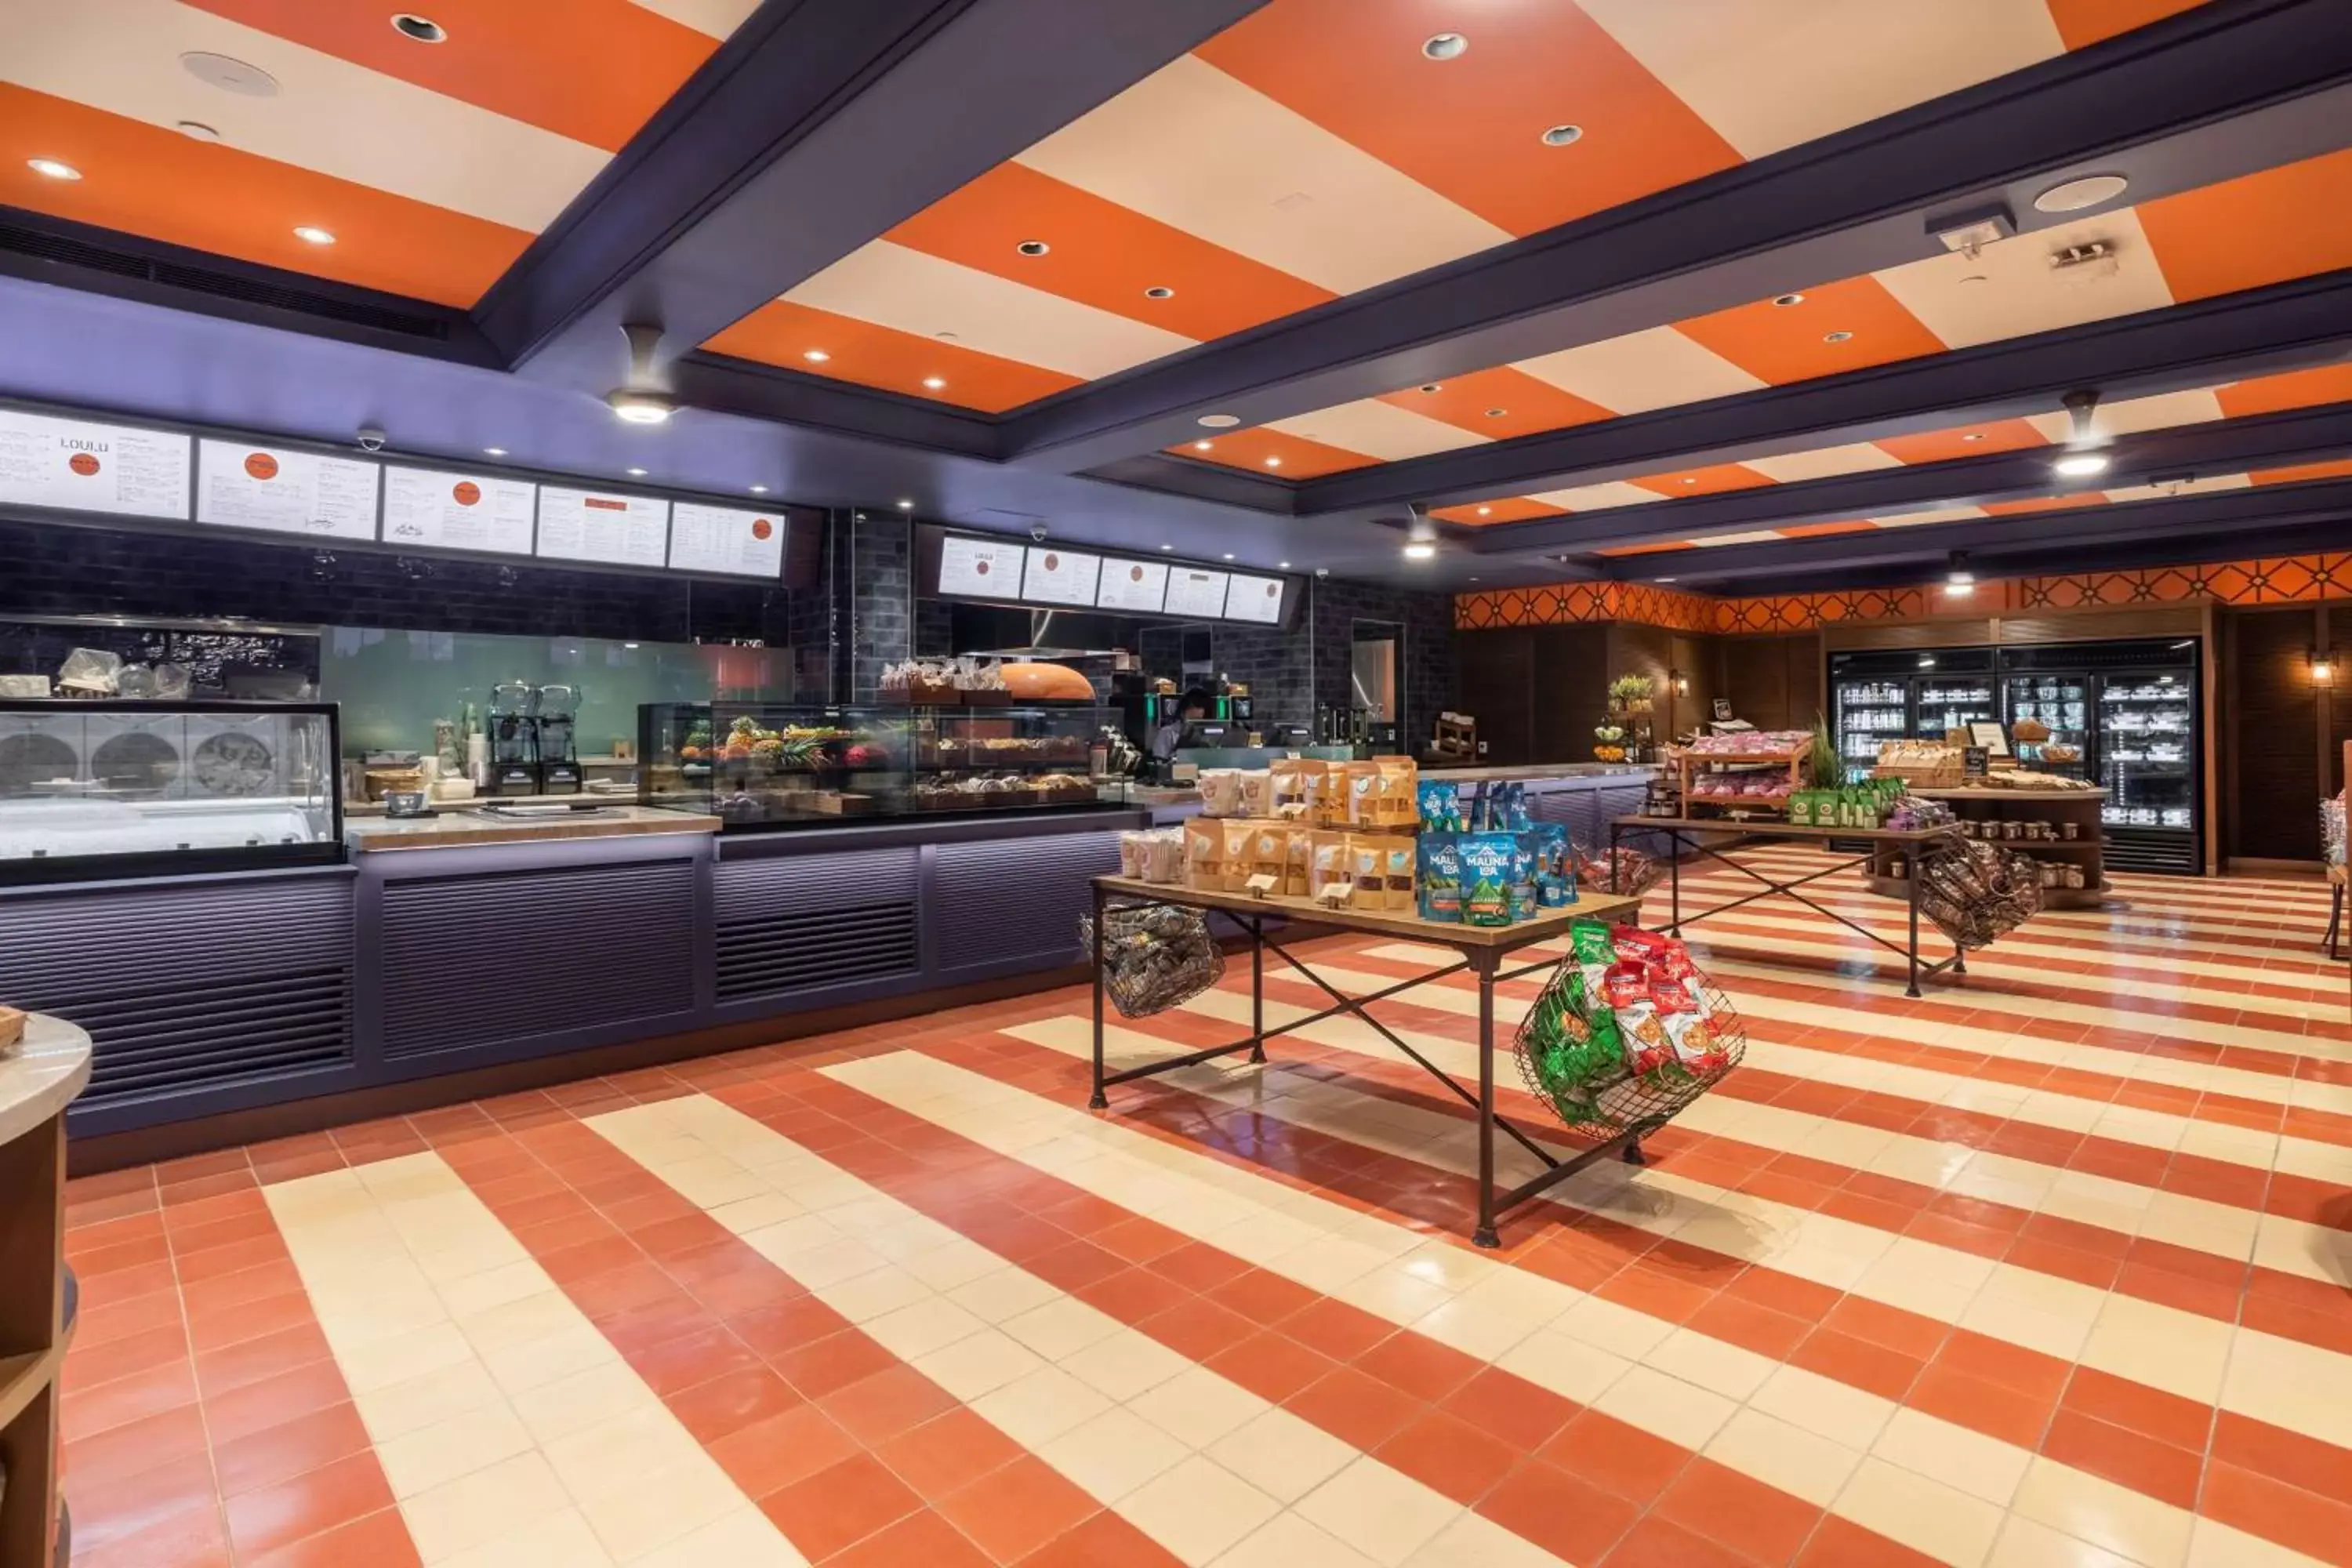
{"x": 1575, "y": 1057}
{"x": 1976, "y": 894}
{"x": 1155, "y": 956}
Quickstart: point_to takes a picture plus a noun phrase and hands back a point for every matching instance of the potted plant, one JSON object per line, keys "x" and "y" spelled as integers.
{"x": 1826, "y": 768}
{"x": 1631, "y": 694}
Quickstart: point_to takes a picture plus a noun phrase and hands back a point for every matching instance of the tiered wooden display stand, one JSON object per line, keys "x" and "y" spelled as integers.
{"x": 1698, "y": 766}
{"x": 2054, "y": 807}
{"x": 37, "y": 1080}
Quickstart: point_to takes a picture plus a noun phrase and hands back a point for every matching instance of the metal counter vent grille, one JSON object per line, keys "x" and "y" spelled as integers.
{"x": 2173, "y": 853}
{"x": 603, "y": 946}
{"x": 189, "y": 988}
{"x": 1017, "y": 899}
{"x": 805, "y": 923}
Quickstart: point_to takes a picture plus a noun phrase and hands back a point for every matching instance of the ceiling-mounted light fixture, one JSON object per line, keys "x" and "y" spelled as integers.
{"x": 1420, "y": 550}
{"x": 1563, "y": 136}
{"x": 905, "y": 506}
{"x": 52, "y": 169}
{"x": 311, "y": 234}
{"x": 1159, "y": 291}
{"x": 1959, "y": 582}
{"x": 2081, "y": 434}
{"x": 1202, "y": 446}
{"x": 1419, "y": 535}
{"x": 494, "y": 451}
{"x": 1219, "y": 421}
{"x": 1785, "y": 300}
{"x": 1969, "y": 232}
{"x": 2073, "y": 196}
{"x": 421, "y": 29}
{"x": 1444, "y": 46}
{"x": 935, "y": 383}
{"x": 1034, "y": 248}
{"x": 759, "y": 490}
{"x": 1837, "y": 337}
{"x": 637, "y": 473}
{"x": 642, "y": 399}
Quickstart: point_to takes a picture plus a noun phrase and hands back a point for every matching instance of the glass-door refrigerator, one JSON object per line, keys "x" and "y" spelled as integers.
{"x": 2149, "y": 719}
{"x": 1865, "y": 710}
{"x": 1907, "y": 694}
{"x": 1954, "y": 689}
{"x": 2050, "y": 687}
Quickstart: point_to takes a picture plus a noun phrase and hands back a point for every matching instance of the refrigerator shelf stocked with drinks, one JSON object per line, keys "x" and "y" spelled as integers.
{"x": 2128, "y": 715}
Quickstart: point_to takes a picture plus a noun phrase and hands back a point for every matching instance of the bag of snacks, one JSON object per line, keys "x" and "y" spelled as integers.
{"x": 1221, "y": 791}
{"x": 1297, "y": 858}
{"x": 1440, "y": 877}
{"x": 1286, "y": 786}
{"x": 1256, "y": 792}
{"x": 1204, "y": 855}
{"x": 1328, "y": 866}
{"x": 1486, "y": 878}
{"x": 1163, "y": 857}
{"x": 1269, "y": 855}
{"x": 1523, "y": 877}
{"x": 1362, "y": 803}
{"x": 1441, "y": 806}
{"x": 1398, "y": 856}
{"x": 1155, "y": 956}
{"x": 1368, "y": 868}
{"x": 1130, "y": 853}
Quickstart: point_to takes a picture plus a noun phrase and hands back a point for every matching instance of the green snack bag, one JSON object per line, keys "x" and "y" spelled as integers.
{"x": 1486, "y": 878}
{"x": 1575, "y": 1046}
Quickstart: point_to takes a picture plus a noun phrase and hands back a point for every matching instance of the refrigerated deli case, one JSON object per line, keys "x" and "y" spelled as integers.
{"x": 2128, "y": 714}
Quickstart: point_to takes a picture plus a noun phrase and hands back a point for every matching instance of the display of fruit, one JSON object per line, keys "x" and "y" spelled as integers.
{"x": 1610, "y": 734}
{"x": 1609, "y": 753}
{"x": 865, "y": 755}
{"x": 689, "y": 752}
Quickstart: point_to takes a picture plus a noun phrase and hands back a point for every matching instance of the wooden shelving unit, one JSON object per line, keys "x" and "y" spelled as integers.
{"x": 37, "y": 1083}
{"x": 2054, "y": 806}
{"x": 1695, "y": 766}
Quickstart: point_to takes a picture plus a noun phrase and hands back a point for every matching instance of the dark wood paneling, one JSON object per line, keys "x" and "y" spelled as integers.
{"x": 1569, "y": 682}
{"x": 2335, "y": 703}
{"x": 1773, "y": 682}
{"x": 2273, "y": 767}
{"x": 1802, "y": 657}
{"x": 1494, "y": 682}
{"x": 2101, "y": 623}
{"x": 1972, "y": 632}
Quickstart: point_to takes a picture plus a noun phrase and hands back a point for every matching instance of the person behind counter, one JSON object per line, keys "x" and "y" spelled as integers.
{"x": 1171, "y": 734}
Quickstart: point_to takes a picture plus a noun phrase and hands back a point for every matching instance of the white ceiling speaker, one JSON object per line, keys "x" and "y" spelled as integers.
{"x": 2073, "y": 196}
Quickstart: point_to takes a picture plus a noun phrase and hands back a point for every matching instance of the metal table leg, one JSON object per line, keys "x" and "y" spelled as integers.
{"x": 1911, "y": 880}
{"x": 1615, "y": 829}
{"x": 1258, "y": 988}
{"x": 1484, "y": 961}
{"x": 1100, "y": 1101}
{"x": 1674, "y": 878}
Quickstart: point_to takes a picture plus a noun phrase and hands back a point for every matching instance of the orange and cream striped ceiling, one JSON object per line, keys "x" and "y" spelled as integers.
{"x": 431, "y": 164}
{"x": 2259, "y": 395}
{"x": 1316, "y": 149}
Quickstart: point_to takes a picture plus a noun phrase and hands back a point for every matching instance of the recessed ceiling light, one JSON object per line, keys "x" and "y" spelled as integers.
{"x": 1167, "y": 547}
{"x": 816, "y": 356}
{"x": 1282, "y": 565}
{"x": 1274, "y": 462}
{"x": 1202, "y": 446}
{"x": 1033, "y": 247}
{"x": 309, "y": 233}
{"x": 1229, "y": 555}
{"x": 423, "y": 29}
{"x": 196, "y": 130}
{"x": 1785, "y": 300}
{"x": 2075, "y": 464}
{"x": 637, "y": 473}
{"x": 1692, "y": 480}
{"x": 1486, "y": 511}
{"x": 905, "y": 506}
{"x": 935, "y": 382}
{"x": 759, "y": 490}
{"x": 1836, "y": 337}
{"x": 1419, "y": 550}
{"x": 1445, "y": 47}
{"x": 945, "y": 337}
{"x": 1563, "y": 135}
{"x": 229, "y": 75}
{"x": 1666, "y": 579}
{"x": 2073, "y": 196}
{"x": 1219, "y": 421}
{"x": 1432, "y": 386}
{"x": 494, "y": 451}
{"x": 1973, "y": 435}
{"x": 1159, "y": 291}
{"x": 1496, "y": 413}
{"x": 50, "y": 169}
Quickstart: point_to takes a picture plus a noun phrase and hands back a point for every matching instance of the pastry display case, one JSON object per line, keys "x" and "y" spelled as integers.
{"x": 766, "y": 765}
{"x": 106, "y": 788}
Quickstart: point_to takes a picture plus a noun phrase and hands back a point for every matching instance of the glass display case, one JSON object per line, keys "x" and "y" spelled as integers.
{"x": 2059, "y": 701}
{"x": 108, "y": 788}
{"x": 767, "y": 765}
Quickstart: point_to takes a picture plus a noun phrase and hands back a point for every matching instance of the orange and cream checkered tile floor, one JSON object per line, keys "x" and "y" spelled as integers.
{"x": 2046, "y": 1270}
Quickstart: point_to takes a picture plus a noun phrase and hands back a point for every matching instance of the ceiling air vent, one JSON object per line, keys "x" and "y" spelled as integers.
{"x": 2089, "y": 262}
{"x": 58, "y": 251}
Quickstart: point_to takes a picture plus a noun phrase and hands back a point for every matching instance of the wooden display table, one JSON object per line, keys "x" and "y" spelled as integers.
{"x": 1909, "y": 845}
{"x": 37, "y": 1322}
{"x": 1483, "y": 951}
{"x": 2057, "y": 807}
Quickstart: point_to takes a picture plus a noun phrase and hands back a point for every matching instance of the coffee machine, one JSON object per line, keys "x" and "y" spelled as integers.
{"x": 514, "y": 739}
{"x": 558, "y": 709}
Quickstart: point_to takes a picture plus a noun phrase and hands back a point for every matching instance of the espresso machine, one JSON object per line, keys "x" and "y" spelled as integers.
{"x": 514, "y": 739}
{"x": 558, "y": 710}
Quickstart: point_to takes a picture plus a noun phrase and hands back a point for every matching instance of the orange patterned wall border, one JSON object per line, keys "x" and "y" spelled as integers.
{"x": 2291, "y": 579}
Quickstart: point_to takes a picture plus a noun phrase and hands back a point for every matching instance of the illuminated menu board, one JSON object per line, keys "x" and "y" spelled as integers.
{"x": 1254, "y": 599}
{"x": 280, "y": 492}
{"x": 437, "y": 509}
{"x": 721, "y": 539}
{"x": 1136, "y": 585}
{"x": 75, "y": 465}
{"x": 608, "y": 529}
{"x": 980, "y": 568}
{"x": 1196, "y": 591}
{"x": 1057, "y": 576}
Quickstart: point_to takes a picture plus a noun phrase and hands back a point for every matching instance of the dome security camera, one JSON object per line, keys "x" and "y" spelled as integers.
{"x": 372, "y": 439}
{"x": 1037, "y": 532}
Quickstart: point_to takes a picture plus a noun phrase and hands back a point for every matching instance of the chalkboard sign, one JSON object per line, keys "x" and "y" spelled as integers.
{"x": 1974, "y": 760}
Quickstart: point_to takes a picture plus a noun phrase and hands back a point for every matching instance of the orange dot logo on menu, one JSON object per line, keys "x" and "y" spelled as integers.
{"x": 82, "y": 463}
{"x": 762, "y": 529}
{"x": 465, "y": 492}
{"x": 261, "y": 465}
{"x": 1135, "y": 573}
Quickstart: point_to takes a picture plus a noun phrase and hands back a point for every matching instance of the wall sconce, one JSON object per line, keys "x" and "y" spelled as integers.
{"x": 1679, "y": 682}
{"x": 2321, "y": 662}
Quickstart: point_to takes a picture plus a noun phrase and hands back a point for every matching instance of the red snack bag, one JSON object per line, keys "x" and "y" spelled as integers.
{"x": 1635, "y": 945}
{"x": 1681, "y": 1012}
{"x": 1647, "y": 1046}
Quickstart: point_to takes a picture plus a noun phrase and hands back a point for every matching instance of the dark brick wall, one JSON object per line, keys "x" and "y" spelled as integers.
{"x": 881, "y": 599}
{"x": 1428, "y": 622}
